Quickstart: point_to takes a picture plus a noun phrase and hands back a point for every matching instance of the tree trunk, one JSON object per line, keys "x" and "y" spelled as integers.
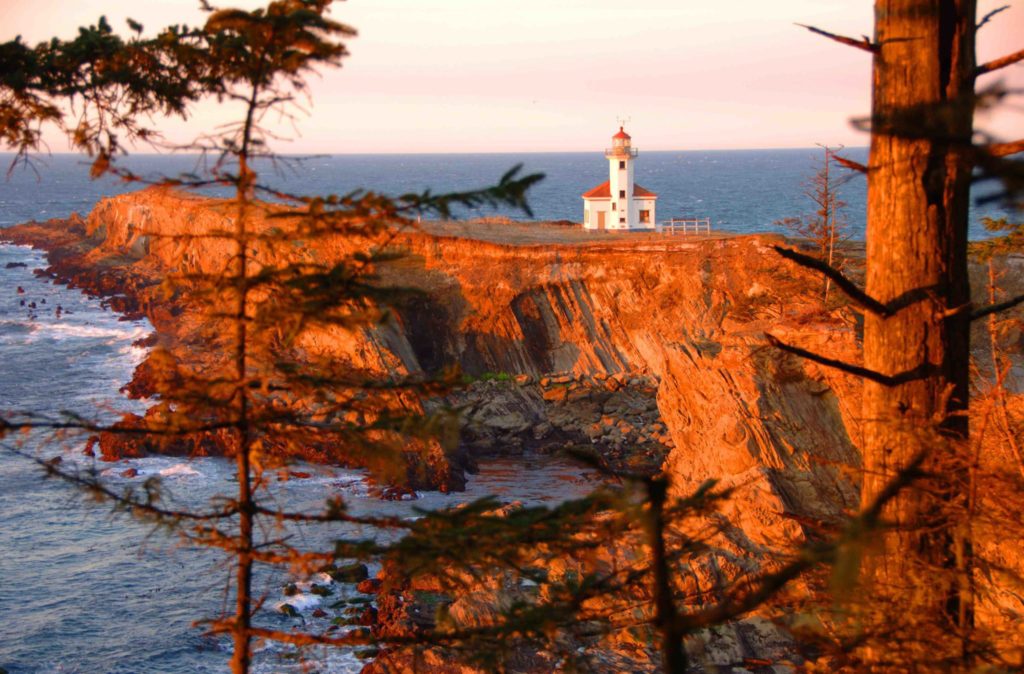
{"x": 828, "y": 208}
{"x": 918, "y": 192}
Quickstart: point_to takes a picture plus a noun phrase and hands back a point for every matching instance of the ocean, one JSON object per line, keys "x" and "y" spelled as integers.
{"x": 87, "y": 591}
{"x": 739, "y": 190}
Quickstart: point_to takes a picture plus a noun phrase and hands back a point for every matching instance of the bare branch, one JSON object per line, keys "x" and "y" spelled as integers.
{"x": 988, "y": 17}
{"x": 864, "y": 43}
{"x": 846, "y": 285}
{"x": 998, "y": 63}
{"x": 850, "y": 164}
{"x": 996, "y": 308}
{"x": 1005, "y": 149}
{"x": 859, "y": 297}
{"x": 919, "y": 372}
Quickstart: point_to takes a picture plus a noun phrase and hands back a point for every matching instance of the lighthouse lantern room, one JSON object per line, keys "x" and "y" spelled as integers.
{"x": 619, "y": 203}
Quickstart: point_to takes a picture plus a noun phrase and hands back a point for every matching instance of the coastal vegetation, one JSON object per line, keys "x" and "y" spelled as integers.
{"x": 737, "y": 537}
{"x": 827, "y": 229}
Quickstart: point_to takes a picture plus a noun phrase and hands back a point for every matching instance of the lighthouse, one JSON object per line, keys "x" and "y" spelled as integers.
{"x": 619, "y": 203}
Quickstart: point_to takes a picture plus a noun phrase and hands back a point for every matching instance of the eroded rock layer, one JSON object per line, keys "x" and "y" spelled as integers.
{"x": 650, "y": 350}
{"x": 676, "y": 326}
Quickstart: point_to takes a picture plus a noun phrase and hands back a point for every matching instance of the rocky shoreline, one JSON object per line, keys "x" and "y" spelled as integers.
{"x": 610, "y": 346}
{"x": 503, "y": 414}
{"x": 647, "y": 354}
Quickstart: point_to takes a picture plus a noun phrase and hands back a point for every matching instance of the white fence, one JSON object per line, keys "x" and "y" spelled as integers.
{"x": 685, "y": 226}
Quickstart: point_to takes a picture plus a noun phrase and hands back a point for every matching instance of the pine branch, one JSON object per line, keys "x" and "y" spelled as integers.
{"x": 334, "y": 514}
{"x": 756, "y": 591}
{"x": 864, "y": 43}
{"x": 996, "y": 308}
{"x": 115, "y": 429}
{"x": 1005, "y": 149}
{"x": 919, "y": 372}
{"x": 998, "y": 63}
{"x": 94, "y": 486}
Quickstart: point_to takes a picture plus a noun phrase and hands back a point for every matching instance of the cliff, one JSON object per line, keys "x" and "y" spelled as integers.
{"x": 691, "y": 315}
{"x": 649, "y": 350}
{"x": 619, "y": 342}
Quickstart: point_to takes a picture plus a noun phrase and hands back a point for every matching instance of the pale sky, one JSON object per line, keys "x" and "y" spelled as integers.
{"x": 553, "y": 75}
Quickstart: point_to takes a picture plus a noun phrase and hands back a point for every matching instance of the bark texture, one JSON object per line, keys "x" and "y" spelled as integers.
{"x": 918, "y": 192}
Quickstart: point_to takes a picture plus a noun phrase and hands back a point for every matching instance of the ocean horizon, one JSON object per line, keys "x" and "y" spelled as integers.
{"x": 741, "y": 191}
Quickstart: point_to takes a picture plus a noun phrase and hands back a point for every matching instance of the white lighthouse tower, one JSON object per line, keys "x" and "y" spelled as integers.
{"x": 619, "y": 204}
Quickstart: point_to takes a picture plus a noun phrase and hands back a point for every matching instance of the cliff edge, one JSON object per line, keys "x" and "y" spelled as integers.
{"x": 620, "y": 342}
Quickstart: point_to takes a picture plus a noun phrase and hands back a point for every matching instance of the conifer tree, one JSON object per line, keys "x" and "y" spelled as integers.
{"x": 918, "y": 312}
{"x": 827, "y": 228}
{"x": 252, "y": 400}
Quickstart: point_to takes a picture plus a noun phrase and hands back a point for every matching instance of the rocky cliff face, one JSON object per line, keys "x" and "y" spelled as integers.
{"x": 689, "y": 315}
{"x": 649, "y": 349}
{"x": 683, "y": 320}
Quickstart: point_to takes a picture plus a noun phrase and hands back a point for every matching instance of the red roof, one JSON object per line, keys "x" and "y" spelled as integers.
{"x": 621, "y": 134}
{"x": 604, "y": 191}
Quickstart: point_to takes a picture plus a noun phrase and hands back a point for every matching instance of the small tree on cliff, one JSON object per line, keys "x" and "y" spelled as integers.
{"x": 1009, "y": 240}
{"x": 827, "y": 227}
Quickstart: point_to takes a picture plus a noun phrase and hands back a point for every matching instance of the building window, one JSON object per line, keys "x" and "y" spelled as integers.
{"x": 622, "y": 194}
{"x": 622, "y": 164}
{"x": 613, "y": 205}
{"x": 645, "y": 216}
{"x": 622, "y": 220}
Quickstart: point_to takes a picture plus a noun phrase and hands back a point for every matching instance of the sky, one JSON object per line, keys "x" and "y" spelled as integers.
{"x": 555, "y": 75}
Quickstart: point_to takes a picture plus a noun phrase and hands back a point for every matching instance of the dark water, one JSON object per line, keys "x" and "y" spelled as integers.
{"x": 87, "y": 592}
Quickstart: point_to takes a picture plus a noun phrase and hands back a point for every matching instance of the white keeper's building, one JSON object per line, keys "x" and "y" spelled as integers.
{"x": 619, "y": 203}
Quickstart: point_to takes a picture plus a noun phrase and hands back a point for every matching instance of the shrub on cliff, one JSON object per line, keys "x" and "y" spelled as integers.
{"x": 827, "y": 228}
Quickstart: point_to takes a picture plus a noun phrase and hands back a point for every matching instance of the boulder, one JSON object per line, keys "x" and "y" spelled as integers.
{"x": 349, "y": 573}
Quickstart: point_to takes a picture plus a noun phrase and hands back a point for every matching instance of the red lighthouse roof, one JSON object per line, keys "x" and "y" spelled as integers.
{"x": 622, "y": 134}
{"x": 604, "y": 191}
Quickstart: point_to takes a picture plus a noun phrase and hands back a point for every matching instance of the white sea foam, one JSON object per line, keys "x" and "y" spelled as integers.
{"x": 300, "y": 602}
{"x": 65, "y": 330}
{"x": 28, "y": 253}
{"x": 179, "y": 470}
{"x": 137, "y": 353}
{"x": 352, "y": 483}
{"x": 329, "y": 661}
